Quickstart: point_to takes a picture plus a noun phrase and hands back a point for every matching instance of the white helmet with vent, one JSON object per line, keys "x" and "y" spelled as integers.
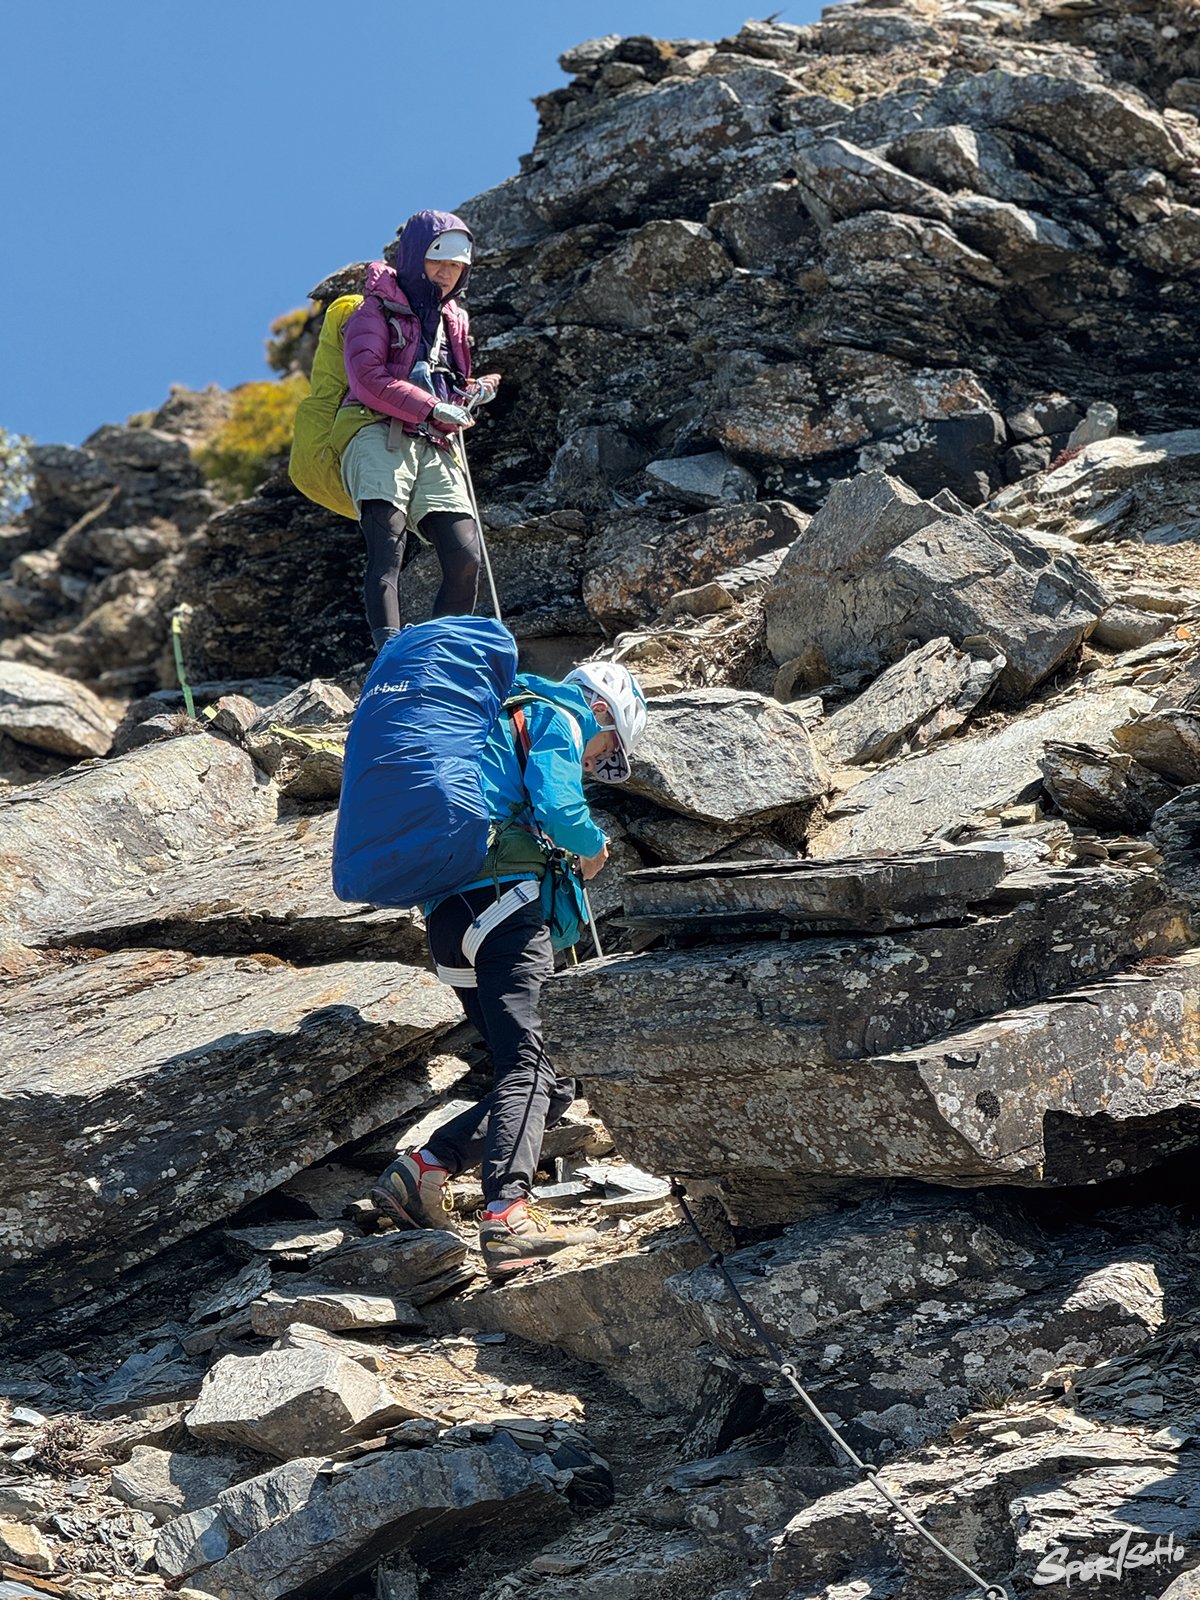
{"x": 618, "y": 688}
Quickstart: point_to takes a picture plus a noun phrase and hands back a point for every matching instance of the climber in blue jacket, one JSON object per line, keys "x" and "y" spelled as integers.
{"x": 491, "y": 941}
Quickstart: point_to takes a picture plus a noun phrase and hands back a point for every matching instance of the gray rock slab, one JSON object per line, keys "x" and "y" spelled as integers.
{"x": 863, "y": 894}
{"x": 187, "y": 1543}
{"x": 915, "y": 798}
{"x": 289, "y": 1403}
{"x": 290, "y": 1242}
{"x": 162, "y": 1091}
{"x": 257, "y": 1503}
{"x": 879, "y": 568}
{"x": 626, "y": 288}
{"x": 613, "y": 1311}
{"x": 904, "y": 1316}
{"x": 271, "y": 891}
{"x": 396, "y": 1500}
{"x": 114, "y": 826}
{"x": 318, "y": 1306}
{"x": 167, "y": 1483}
{"x": 416, "y": 1265}
{"x": 1075, "y": 497}
{"x": 770, "y": 1064}
{"x": 710, "y": 479}
{"x": 928, "y": 695}
{"x": 1103, "y": 788}
{"x": 637, "y": 564}
{"x": 1168, "y": 742}
{"x": 679, "y": 841}
{"x": 1006, "y": 1506}
{"x": 52, "y": 713}
{"x": 727, "y": 756}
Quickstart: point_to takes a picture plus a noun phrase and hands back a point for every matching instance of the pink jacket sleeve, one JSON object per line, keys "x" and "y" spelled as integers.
{"x": 367, "y": 342}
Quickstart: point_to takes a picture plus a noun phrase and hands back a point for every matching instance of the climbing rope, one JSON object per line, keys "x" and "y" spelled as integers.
{"x": 988, "y": 1591}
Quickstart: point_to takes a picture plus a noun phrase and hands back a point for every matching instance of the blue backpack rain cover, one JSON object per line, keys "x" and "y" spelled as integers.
{"x": 412, "y": 822}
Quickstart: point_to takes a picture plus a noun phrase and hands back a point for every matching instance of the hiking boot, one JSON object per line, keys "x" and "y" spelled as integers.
{"x": 521, "y": 1236}
{"x": 414, "y": 1192}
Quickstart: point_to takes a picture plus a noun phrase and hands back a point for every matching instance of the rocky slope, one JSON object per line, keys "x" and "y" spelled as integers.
{"x": 850, "y": 399}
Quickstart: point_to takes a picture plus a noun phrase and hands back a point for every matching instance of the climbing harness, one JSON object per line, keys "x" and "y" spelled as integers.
{"x": 509, "y": 903}
{"x": 988, "y": 1591}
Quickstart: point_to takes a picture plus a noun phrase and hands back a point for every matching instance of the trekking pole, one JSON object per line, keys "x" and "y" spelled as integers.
{"x": 591, "y": 916}
{"x": 487, "y": 560}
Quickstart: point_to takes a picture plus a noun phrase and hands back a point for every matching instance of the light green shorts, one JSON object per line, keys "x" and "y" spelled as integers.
{"x": 416, "y": 476}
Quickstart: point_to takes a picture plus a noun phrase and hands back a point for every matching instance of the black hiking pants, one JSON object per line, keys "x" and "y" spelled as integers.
{"x": 505, "y": 1129}
{"x": 455, "y": 540}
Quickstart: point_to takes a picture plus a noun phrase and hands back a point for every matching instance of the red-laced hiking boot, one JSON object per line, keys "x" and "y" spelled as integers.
{"x": 414, "y": 1192}
{"x": 521, "y": 1236}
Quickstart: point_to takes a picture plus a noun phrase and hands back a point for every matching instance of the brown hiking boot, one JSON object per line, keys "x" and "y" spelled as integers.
{"x": 521, "y": 1236}
{"x": 414, "y": 1193}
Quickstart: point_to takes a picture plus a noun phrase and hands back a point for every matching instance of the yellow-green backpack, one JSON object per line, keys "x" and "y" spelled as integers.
{"x": 324, "y": 426}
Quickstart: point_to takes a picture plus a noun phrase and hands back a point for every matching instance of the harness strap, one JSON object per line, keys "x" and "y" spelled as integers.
{"x": 509, "y": 903}
{"x": 457, "y": 977}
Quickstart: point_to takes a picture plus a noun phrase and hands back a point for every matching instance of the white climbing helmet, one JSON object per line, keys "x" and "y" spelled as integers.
{"x": 453, "y": 245}
{"x": 618, "y": 688}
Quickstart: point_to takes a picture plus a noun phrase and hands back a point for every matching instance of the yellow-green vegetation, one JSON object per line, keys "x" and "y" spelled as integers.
{"x": 286, "y": 333}
{"x": 236, "y": 458}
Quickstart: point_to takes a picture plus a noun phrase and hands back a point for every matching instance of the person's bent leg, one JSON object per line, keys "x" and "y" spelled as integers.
{"x": 383, "y": 529}
{"x": 455, "y": 539}
{"x": 511, "y": 966}
{"x": 414, "y": 1189}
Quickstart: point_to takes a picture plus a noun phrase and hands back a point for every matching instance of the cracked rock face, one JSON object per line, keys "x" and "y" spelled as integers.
{"x": 863, "y": 363}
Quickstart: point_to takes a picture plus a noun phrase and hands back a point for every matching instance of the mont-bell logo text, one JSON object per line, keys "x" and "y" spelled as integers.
{"x": 387, "y": 688}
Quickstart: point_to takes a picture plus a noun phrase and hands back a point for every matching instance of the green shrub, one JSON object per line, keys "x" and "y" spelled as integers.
{"x": 285, "y": 352}
{"x": 236, "y": 459}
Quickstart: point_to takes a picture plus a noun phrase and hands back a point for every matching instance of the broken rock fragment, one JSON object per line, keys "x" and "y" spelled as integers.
{"x": 393, "y": 1500}
{"x": 318, "y": 1306}
{"x": 926, "y": 696}
{"x": 879, "y": 568}
{"x": 289, "y": 1403}
{"x": 167, "y": 1483}
{"x": 726, "y": 756}
{"x": 52, "y": 713}
{"x": 914, "y": 799}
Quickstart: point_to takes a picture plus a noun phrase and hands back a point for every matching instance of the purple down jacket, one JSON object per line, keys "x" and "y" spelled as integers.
{"x": 387, "y": 333}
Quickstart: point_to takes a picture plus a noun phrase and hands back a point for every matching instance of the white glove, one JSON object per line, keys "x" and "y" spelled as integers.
{"x": 447, "y": 415}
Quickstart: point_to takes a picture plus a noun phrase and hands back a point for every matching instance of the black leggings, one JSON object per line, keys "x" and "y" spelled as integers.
{"x": 456, "y": 541}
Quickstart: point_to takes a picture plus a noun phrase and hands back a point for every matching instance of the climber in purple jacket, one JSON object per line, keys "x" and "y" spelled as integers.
{"x": 407, "y": 358}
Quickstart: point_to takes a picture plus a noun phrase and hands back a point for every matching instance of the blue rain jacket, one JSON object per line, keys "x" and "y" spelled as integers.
{"x": 552, "y": 786}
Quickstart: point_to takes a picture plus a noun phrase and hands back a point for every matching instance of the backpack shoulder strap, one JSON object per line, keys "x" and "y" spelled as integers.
{"x": 522, "y": 742}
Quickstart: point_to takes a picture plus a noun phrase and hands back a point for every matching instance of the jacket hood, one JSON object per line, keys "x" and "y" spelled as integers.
{"x": 566, "y": 696}
{"x": 381, "y": 280}
{"x": 417, "y": 234}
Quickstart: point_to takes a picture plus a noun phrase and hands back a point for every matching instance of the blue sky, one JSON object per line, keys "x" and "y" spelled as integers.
{"x": 177, "y": 173}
